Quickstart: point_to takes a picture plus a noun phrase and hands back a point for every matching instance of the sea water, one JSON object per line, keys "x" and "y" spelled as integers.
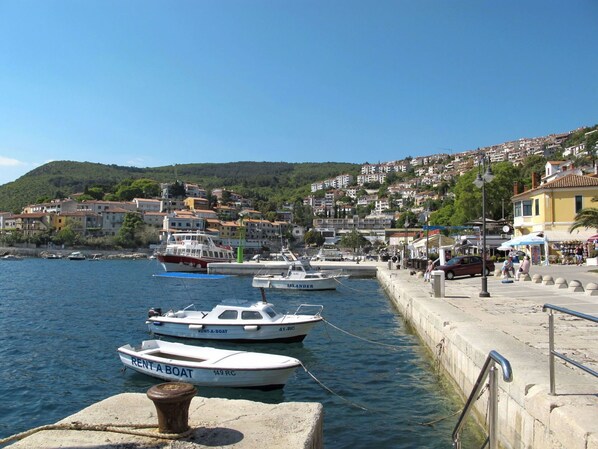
{"x": 62, "y": 321}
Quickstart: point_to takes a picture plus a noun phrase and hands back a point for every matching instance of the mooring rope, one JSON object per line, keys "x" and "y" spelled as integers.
{"x": 115, "y": 428}
{"x": 351, "y": 288}
{"x": 354, "y": 404}
{"x": 362, "y": 338}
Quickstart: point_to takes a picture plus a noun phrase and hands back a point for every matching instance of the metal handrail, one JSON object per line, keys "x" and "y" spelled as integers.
{"x": 553, "y": 353}
{"x": 488, "y": 370}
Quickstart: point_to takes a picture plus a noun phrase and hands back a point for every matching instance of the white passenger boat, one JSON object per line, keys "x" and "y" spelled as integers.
{"x": 208, "y": 366}
{"x": 76, "y": 255}
{"x": 235, "y": 320}
{"x": 192, "y": 251}
{"x": 300, "y": 275}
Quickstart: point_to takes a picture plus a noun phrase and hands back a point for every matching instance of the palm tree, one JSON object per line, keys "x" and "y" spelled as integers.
{"x": 586, "y": 218}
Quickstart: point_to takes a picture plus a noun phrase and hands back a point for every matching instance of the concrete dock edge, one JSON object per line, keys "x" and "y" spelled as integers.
{"x": 528, "y": 416}
{"x": 235, "y": 424}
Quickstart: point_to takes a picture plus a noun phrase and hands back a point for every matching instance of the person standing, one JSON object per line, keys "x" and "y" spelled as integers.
{"x": 429, "y": 268}
{"x": 579, "y": 255}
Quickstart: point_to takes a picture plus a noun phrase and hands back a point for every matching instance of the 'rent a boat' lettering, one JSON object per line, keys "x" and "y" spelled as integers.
{"x": 147, "y": 364}
{"x": 159, "y": 368}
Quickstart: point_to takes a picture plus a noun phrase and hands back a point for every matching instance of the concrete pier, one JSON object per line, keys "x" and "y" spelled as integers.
{"x": 124, "y": 420}
{"x": 462, "y": 328}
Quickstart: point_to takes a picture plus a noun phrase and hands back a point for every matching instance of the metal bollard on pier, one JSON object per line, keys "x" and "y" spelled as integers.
{"x": 172, "y": 400}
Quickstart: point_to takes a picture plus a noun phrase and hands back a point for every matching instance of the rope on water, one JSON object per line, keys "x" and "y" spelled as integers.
{"x": 351, "y": 288}
{"x": 115, "y": 428}
{"x": 354, "y": 404}
{"x": 362, "y": 338}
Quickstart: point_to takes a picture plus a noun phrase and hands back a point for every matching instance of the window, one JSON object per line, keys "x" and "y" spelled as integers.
{"x": 536, "y": 207}
{"x": 250, "y": 315}
{"x": 527, "y": 208}
{"x": 517, "y": 209}
{"x": 229, "y": 315}
{"x": 578, "y": 203}
{"x": 270, "y": 311}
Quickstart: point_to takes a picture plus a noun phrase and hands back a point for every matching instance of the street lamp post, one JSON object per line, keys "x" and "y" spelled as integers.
{"x": 405, "y": 248}
{"x": 427, "y": 235}
{"x": 480, "y": 182}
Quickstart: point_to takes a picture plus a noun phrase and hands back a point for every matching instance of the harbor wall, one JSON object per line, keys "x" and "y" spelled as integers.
{"x": 528, "y": 417}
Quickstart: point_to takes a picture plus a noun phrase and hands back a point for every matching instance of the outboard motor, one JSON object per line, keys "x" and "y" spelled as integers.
{"x": 154, "y": 311}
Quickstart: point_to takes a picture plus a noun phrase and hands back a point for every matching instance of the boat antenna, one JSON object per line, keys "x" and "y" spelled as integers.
{"x": 263, "y": 295}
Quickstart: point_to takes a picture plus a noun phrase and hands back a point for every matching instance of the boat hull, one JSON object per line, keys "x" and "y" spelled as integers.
{"x": 294, "y": 284}
{"x": 186, "y": 263}
{"x": 283, "y": 332}
{"x": 220, "y": 372}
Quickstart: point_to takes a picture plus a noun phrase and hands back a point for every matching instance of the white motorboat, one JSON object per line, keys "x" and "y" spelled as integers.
{"x": 11, "y": 257}
{"x": 76, "y": 255}
{"x": 208, "y": 366}
{"x": 300, "y": 275}
{"x": 235, "y": 320}
{"x": 192, "y": 251}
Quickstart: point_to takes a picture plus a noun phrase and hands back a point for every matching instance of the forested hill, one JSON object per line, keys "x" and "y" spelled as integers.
{"x": 266, "y": 180}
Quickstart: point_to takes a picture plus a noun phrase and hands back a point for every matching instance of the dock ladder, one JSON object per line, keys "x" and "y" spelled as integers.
{"x": 488, "y": 371}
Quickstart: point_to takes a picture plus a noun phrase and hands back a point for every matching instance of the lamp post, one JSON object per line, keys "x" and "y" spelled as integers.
{"x": 405, "y": 248}
{"x": 480, "y": 182}
{"x": 427, "y": 235}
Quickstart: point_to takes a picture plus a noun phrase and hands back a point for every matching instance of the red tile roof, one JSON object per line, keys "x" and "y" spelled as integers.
{"x": 564, "y": 182}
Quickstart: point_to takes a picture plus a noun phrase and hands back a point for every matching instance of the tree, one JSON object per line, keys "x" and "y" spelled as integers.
{"x": 312, "y": 237}
{"x": 129, "y": 234}
{"x": 468, "y": 197}
{"x": 353, "y": 240}
{"x": 66, "y": 236}
{"x": 177, "y": 190}
{"x": 586, "y": 218}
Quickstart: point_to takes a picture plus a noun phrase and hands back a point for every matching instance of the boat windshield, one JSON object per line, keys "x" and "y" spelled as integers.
{"x": 270, "y": 311}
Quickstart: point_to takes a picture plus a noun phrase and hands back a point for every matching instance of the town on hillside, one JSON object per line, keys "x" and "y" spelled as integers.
{"x": 394, "y": 219}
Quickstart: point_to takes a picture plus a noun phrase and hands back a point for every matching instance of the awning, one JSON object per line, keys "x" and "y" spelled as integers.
{"x": 565, "y": 236}
{"x": 524, "y": 240}
{"x": 593, "y": 238}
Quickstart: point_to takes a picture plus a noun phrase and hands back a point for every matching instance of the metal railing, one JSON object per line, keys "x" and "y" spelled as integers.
{"x": 488, "y": 371}
{"x": 553, "y": 353}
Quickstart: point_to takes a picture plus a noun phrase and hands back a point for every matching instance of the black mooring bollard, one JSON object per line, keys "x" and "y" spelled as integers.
{"x": 172, "y": 400}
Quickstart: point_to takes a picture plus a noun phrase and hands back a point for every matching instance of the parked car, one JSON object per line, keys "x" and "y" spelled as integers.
{"x": 465, "y": 265}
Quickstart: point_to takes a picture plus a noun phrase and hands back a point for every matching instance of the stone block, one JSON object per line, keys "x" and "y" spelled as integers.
{"x": 575, "y": 286}
{"x": 525, "y": 277}
{"x": 560, "y": 283}
{"x": 537, "y": 278}
{"x": 547, "y": 280}
{"x": 592, "y": 289}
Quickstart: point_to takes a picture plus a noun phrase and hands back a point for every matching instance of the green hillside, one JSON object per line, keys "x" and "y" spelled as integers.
{"x": 273, "y": 181}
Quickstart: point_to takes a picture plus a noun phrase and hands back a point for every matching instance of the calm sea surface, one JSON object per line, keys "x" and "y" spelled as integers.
{"x": 61, "y": 322}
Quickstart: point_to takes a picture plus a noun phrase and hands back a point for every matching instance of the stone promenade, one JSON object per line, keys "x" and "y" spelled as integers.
{"x": 463, "y": 328}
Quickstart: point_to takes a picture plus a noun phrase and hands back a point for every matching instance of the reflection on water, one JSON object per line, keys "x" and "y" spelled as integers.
{"x": 63, "y": 321}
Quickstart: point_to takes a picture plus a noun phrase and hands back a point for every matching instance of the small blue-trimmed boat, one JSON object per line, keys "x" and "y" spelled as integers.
{"x": 205, "y": 366}
{"x": 300, "y": 275}
{"x": 235, "y": 320}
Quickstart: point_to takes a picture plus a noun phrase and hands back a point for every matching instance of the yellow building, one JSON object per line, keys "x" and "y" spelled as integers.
{"x": 550, "y": 208}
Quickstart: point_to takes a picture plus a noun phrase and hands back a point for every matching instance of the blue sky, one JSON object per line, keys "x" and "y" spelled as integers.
{"x": 151, "y": 83}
